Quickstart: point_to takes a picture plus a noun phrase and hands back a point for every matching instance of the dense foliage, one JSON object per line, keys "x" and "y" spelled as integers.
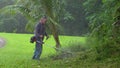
{"x": 78, "y": 25}
{"x": 14, "y": 23}
{"x": 74, "y": 16}
{"x": 104, "y": 34}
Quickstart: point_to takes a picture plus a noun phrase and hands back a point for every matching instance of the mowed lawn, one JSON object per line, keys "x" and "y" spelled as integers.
{"x": 18, "y": 51}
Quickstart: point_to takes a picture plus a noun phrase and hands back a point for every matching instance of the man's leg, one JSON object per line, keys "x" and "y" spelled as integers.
{"x": 38, "y": 50}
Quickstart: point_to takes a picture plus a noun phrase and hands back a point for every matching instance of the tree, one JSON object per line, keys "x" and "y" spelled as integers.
{"x": 100, "y": 14}
{"x": 78, "y": 25}
{"x": 15, "y": 23}
{"x": 34, "y": 9}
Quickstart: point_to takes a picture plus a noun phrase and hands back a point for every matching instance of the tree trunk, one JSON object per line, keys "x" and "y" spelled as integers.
{"x": 49, "y": 12}
{"x": 55, "y": 35}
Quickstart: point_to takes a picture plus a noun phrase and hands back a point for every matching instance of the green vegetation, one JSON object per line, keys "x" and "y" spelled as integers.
{"x": 18, "y": 51}
{"x": 104, "y": 33}
{"x": 101, "y": 17}
{"x": 74, "y": 16}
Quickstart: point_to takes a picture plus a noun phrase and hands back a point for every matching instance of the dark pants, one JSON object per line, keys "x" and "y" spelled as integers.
{"x": 38, "y": 49}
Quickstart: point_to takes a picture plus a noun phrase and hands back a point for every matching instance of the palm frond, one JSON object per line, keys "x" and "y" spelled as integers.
{"x": 29, "y": 26}
{"x": 9, "y": 9}
{"x": 34, "y": 9}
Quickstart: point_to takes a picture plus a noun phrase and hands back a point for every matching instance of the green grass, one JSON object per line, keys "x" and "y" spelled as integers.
{"x": 18, "y": 51}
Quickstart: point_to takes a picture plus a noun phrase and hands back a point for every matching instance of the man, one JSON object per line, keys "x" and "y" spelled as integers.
{"x": 39, "y": 34}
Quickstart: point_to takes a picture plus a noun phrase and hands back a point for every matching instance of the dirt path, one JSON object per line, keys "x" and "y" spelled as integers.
{"x": 2, "y": 42}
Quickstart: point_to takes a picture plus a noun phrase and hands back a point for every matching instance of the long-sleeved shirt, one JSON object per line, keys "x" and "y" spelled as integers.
{"x": 40, "y": 30}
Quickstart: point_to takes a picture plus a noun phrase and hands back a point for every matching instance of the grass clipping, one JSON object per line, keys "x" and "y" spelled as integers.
{"x": 68, "y": 52}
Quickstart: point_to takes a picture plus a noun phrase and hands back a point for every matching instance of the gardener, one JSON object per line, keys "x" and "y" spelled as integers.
{"x": 39, "y": 34}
